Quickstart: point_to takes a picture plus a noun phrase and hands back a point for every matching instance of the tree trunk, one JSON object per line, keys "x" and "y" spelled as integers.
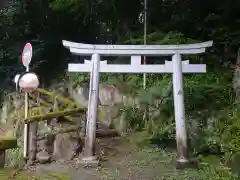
{"x": 236, "y": 78}
{"x": 4, "y": 3}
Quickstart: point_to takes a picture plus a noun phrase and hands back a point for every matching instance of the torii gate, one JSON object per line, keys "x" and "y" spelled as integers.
{"x": 176, "y": 66}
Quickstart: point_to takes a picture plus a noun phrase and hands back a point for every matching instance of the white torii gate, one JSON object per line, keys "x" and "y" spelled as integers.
{"x": 176, "y": 66}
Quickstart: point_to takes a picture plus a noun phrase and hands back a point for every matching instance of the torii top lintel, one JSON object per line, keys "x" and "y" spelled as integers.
{"x": 123, "y": 50}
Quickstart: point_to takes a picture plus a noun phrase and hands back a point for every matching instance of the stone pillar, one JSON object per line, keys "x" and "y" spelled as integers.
{"x": 181, "y": 134}
{"x": 89, "y": 158}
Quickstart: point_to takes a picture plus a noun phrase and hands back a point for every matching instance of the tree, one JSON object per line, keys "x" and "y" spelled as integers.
{"x": 4, "y": 3}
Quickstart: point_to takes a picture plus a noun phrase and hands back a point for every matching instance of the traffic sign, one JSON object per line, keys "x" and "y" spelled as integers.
{"x": 27, "y": 54}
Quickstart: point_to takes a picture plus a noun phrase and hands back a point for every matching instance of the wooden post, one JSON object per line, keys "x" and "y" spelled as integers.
{"x": 89, "y": 158}
{"x": 33, "y": 128}
{"x": 123, "y": 124}
{"x": 181, "y": 135}
{"x": 2, "y": 158}
{"x": 32, "y": 142}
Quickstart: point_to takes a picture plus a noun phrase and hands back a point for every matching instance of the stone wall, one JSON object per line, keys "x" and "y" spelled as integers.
{"x": 110, "y": 98}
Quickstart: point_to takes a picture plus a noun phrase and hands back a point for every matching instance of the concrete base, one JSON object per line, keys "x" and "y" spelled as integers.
{"x": 88, "y": 162}
{"x": 183, "y": 163}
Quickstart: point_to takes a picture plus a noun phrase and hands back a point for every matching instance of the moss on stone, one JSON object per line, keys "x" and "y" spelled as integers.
{"x": 8, "y": 143}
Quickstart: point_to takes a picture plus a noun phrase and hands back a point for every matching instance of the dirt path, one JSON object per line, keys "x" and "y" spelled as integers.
{"x": 120, "y": 160}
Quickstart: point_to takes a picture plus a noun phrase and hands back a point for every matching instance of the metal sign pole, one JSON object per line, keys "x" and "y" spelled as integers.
{"x": 26, "y": 59}
{"x": 26, "y": 126}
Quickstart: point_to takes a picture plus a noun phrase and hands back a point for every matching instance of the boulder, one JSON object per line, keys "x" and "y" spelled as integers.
{"x": 43, "y": 157}
{"x": 66, "y": 146}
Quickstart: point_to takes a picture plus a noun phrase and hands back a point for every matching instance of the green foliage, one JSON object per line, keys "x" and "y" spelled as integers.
{"x": 157, "y": 37}
{"x": 208, "y": 91}
{"x": 78, "y": 78}
{"x": 207, "y": 173}
{"x": 14, "y": 158}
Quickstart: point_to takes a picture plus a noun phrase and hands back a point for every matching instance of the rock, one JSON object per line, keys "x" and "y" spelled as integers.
{"x": 4, "y": 112}
{"x": 5, "y": 129}
{"x": 107, "y": 116}
{"x": 43, "y": 157}
{"x": 79, "y": 94}
{"x": 109, "y": 95}
{"x": 67, "y": 146}
{"x": 46, "y": 145}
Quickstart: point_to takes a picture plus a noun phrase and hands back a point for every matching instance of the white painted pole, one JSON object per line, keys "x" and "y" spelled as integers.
{"x": 89, "y": 150}
{"x": 181, "y": 134}
{"x": 26, "y": 126}
{"x": 89, "y": 94}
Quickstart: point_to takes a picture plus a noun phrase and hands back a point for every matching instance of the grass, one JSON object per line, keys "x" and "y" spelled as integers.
{"x": 7, "y": 173}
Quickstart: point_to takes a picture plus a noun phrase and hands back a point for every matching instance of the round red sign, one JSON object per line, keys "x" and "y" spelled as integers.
{"x": 27, "y": 54}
